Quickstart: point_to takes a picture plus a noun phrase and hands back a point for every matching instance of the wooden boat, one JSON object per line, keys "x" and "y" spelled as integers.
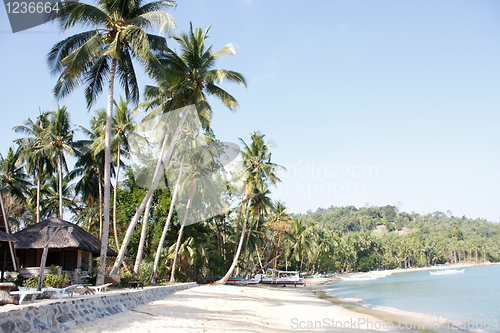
{"x": 447, "y": 271}
{"x": 366, "y": 276}
{"x": 278, "y": 277}
{"x": 238, "y": 280}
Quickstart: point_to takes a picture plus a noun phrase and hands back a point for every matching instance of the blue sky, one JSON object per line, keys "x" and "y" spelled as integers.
{"x": 377, "y": 102}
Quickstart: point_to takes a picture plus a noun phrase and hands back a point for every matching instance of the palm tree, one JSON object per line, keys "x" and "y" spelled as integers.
{"x": 300, "y": 242}
{"x": 58, "y": 139}
{"x": 187, "y": 79}
{"x": 259, "y": 173}
{"x": 152, "y": 279}
{"x": 117, "y": 38}
{"x": 89, "y": 187}
{"x": 279, "y": 224}
{"x": 36, "y": 163}
{"x": 12, "y": 175}
{"x": 262, "y": 205}
{"x": 192, "y": 250}
{"x": 123, "y": 125}
{"x": 52, "y": 192}
{"x": 200, "y": 162}
{"x": 90, "y": 164}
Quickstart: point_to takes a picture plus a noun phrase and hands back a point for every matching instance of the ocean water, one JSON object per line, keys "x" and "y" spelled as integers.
{"x": 471, "y": 297}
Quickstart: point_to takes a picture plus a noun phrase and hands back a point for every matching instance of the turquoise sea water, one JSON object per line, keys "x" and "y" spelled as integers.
{"x": 473, "y": 296}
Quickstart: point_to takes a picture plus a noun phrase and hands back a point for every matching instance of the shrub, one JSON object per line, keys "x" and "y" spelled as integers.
{"x": 51, "y": 280}
{"x": 145, "y": 270}
{"x": 55, "y": 281}
{"x": 32, "y": 282}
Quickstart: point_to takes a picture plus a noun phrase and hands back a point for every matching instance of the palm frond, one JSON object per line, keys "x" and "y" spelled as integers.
{"x": 95, "y": 79}
{"x": 161, "y": 19}
{"x": 228, "y": 49}
{"x": 154, "y": 6}
{"x": 223, "y": 95}
{"x": 63, "y": 48}
{"x": 128, "y": 79}
{"x": 72, "y": 13}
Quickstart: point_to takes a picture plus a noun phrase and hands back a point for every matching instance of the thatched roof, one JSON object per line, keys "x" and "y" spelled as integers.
{"x": 5, "y": 237}
{"x": 33, "y": 237}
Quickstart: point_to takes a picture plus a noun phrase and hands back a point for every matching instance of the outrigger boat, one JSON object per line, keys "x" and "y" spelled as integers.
{"x": 282, "y": 278}
{"x": 366, "y": 276}
{"x": 447, "y": 271}
{"x": 238, "y": 280}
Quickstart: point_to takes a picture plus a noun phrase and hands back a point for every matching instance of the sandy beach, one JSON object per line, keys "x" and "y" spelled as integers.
{"x": 210, "y": 308}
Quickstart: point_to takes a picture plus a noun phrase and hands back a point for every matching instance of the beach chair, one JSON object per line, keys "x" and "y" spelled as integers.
{"x": 23, "y": 292}
{"x": 99, "y": 289}
{"x": 60, "y": 291}
{"x": 136, "y": 284}
{"x": 84, "y": 289}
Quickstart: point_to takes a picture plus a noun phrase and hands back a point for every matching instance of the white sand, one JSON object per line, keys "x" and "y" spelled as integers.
{"x": 211, "y": 308}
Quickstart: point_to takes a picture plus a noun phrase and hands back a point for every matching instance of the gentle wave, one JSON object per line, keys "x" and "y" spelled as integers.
{"x": 399, "y": 295}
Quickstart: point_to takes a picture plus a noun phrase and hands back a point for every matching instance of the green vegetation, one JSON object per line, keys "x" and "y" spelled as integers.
{"x": 153, "y": 243}
{"x": 52, "y": 280}
{"x": 383, "y": 237}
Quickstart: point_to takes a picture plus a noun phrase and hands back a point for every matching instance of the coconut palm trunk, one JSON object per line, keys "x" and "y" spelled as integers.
{"x": 240, "y": 245}
{"x": 160, "y": 168}
{"x": 192, "y": 191}
{"x": 101, "y": 270}
{"x": 117, "y": 174}
{"x": 59, "y": 167}
{"x": 99, "y": 188}
{"x": 247, "y": 260}
{"x": 144, "y": 231}
{"x": 152, "y": 280}
{"x": 38, "y": 184}
{"x": 238, "y": 226}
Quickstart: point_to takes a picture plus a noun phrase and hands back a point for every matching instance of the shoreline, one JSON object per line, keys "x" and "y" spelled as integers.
{"x": 263, "y": 308}
{"x": 210, "y": 308}
{"x": 432, "y": 323}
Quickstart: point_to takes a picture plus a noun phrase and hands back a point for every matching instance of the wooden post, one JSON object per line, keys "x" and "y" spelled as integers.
{"x": 44, "y": 255}
{"x": 4, "y": 255}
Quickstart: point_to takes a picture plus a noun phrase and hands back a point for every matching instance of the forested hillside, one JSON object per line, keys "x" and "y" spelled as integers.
{"x": 372, "y": 237}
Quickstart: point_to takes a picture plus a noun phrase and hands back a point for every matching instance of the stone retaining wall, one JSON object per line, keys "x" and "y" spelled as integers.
{"x": 60, "y": 316}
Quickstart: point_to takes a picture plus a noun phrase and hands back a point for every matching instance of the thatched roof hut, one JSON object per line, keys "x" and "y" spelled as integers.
{"x": 5, "y": 237}
{"x": 69, "y": 235}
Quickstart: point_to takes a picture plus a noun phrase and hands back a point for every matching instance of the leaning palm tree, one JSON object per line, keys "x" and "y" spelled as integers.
{"x": 188, "y": 79}
{"x": 108, "y": 50}
{"x": 179, "y": 171}
{"x": 262, "y": 205}
{"x": 37, "y": 164}
{"x": 198, "y": 180}
{"x": 259, "y": 173}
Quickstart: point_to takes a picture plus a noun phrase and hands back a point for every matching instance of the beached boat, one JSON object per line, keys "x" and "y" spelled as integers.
{"x": 447, "y": 271}
{"x": 238, "y": 280}
{"x": 278, "y": 277}
{"x": 380, "y": 274}
{"x": 366, "y": 276}
{"x": 358, "y": 277}
{"x": 241, "y": 282}
{"x": 321, "y": 276}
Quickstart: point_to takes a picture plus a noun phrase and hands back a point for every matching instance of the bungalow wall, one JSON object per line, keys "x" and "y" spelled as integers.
{"x": 70, "y": 260}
